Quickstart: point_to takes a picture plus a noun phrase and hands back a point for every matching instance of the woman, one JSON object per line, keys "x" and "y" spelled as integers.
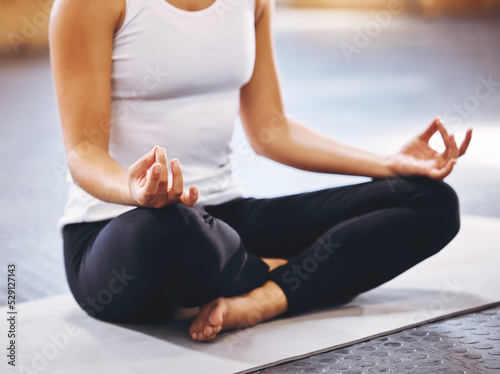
{"x": 130, "y": 74}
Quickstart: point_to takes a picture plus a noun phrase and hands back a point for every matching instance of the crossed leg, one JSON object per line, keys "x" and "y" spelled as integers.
{"x": 374, "y": 232}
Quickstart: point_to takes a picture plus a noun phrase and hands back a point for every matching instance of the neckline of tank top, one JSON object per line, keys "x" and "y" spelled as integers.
{"x": 190, "y": 13}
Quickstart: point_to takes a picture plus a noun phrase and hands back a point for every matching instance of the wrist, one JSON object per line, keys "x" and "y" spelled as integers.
{"x": 128, "y": 195}
{"x": 387, "y": 167}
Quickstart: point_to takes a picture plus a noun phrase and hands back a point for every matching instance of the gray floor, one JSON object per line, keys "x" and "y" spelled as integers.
{"x": 411, "y": 71}
{"x": 468, "y": 343}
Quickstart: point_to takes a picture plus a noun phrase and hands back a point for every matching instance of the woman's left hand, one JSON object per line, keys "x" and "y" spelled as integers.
{"x": 418, "y": 158}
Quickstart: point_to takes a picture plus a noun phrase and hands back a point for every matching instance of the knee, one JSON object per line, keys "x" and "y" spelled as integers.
{"x": 167, "y": 245}
{"x": 440, "y": 206}
{"x": 149, "y": 233}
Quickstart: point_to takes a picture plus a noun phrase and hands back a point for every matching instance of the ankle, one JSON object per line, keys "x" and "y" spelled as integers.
{"x": 273, "y": 263}
{"x": 269, "y": 300}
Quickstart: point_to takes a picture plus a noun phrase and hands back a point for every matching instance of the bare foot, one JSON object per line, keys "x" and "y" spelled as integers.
{"x": 247, "y": 310}
{"x": 273, "y": 263}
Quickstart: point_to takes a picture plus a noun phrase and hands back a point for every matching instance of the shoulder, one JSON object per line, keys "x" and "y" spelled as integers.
{"x": 108, "y": 13}
{"x": 262, "y": 7}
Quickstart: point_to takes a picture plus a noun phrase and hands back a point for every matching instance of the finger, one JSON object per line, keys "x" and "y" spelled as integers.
{"x": 446, "y": 139}
{"x": 144, "y": 163}
{"x": 189, "y": 199}
{"x": 443, "y": 172}
{"x": 431, "y": 130}
{"x": 465, "y": 143}
{"x": 161, "y": 158}
{"x": 442, "y": 130}
{"x": 175, "y": 192}
{"x": 453, "y": 149}
{"x": 151, "y": 187}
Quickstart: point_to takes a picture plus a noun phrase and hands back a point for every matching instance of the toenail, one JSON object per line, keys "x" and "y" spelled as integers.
{"x": 195, "y": 335}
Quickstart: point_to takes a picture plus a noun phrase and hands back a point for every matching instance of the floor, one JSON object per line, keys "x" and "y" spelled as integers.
{"x": 468, "y": 343}
{"x": 408, "y": 71}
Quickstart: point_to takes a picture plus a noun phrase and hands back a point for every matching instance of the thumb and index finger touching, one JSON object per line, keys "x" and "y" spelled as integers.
{"x": 449, "y": 140}
{"x": 150, "y": 162}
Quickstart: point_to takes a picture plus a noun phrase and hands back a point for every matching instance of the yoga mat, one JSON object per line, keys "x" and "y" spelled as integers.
{"x": 55, "y": 336}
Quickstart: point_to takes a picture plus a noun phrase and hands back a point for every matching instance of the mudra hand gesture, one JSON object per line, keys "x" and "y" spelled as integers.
{"x": 418, "y": 158}
{"x": 148, "y": 182}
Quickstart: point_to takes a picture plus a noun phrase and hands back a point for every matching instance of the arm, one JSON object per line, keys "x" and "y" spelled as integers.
{"x": 81, "y": 37}
{"x": 81, "y": 43}
{"x": 274, "y": 136}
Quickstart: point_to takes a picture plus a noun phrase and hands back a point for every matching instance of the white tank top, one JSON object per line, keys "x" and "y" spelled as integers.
{"x": 176, "y": 80}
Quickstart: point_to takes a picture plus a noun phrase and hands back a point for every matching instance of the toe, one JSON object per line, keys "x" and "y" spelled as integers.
{"x": 194, "y": 328}
{"x": 209, "y": 321}
{"x": 207, "y": 331}
{"x": 217, "y": 329}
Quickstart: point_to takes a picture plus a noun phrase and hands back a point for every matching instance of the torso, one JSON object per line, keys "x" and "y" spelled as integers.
{"x": 175, "y": 82}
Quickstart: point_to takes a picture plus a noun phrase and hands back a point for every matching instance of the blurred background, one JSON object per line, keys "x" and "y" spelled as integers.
{"x": 369, "y": 73}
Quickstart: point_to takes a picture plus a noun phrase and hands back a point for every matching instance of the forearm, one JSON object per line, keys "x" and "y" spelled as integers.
{"x": 98, "y": 174}
{"x": 298, "y": 146}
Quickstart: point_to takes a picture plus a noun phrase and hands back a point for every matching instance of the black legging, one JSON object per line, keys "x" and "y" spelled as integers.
{"x": 339, "y": 242}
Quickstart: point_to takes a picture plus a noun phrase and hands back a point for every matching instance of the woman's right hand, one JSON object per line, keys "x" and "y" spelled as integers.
{"x": 148, "y": 182}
